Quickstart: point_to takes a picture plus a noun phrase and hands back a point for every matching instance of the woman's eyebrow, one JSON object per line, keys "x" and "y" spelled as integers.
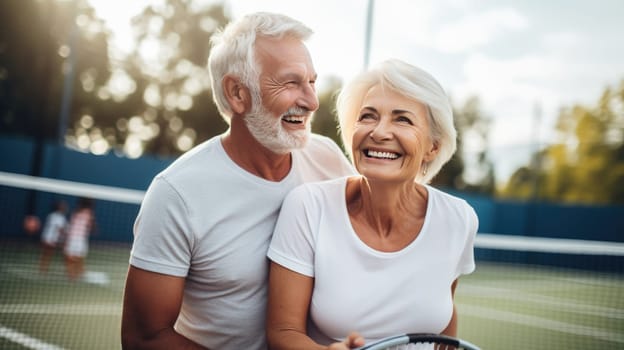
{"x": 402, "y": 111}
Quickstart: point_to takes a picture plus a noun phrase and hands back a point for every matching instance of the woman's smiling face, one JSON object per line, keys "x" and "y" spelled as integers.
{"x": 392, "y": 136}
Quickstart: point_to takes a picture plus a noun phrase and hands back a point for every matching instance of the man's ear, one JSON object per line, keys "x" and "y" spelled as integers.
{"x": 236, "y": 94}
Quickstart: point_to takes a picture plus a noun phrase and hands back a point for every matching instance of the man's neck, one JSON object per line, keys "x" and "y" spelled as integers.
{"x": 252, "y": 156}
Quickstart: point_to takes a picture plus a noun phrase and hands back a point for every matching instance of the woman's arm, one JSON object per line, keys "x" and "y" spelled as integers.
{"x": 287, "y": 313}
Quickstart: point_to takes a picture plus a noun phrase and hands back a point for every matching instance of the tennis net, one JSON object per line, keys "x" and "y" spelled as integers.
{"x": 40, "y": 307}
{"x": 526, "y": 293}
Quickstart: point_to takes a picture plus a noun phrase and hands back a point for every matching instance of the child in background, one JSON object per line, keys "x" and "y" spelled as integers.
{"x": 52, "y": 235}
{"x": 77, "y": 245}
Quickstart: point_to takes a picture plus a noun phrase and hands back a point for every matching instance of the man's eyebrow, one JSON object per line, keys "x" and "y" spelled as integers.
{"x": 296, "y": 76}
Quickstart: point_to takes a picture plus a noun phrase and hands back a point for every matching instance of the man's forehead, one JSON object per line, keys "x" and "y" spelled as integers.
{"x": 284, "y": 56}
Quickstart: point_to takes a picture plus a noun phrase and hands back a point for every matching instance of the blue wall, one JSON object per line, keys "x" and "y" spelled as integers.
{"x": 114, "y": 220}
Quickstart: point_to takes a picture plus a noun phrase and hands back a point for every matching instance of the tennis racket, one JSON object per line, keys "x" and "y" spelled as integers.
{"x": 434, "y": 341}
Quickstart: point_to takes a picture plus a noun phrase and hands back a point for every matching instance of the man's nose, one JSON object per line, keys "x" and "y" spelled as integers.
{"x": 308, "y": 100}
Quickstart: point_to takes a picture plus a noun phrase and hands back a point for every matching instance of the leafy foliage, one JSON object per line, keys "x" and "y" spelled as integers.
{"x": 153, "y": 100}
{"x": 36, "y": 37}
{"x": 586, "y": 165}
{"x": 469, "y": 169}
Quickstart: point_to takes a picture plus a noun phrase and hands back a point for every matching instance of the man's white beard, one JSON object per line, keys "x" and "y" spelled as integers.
{"x": 268, "y": 130}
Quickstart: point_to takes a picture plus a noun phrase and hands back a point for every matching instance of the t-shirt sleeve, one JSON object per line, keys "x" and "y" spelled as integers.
{"x": 163, "y": 238}
{"x": 334, "y": 159}
{"x": 467, "y": 262}
{"x": 292, "y": 245}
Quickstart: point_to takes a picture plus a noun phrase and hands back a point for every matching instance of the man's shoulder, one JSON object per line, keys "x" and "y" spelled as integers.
{"x": 320, "y": 145}
{"x": 322, "y": 159}
{"x": 196, "y": 157}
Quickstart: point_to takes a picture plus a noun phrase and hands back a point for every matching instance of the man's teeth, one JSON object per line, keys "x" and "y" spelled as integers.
{"x": 384, "y": 155}
{"x": 294, "y": 119}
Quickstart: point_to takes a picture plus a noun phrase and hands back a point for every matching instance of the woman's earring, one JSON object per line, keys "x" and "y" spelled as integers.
{"x": 424, "y": 169}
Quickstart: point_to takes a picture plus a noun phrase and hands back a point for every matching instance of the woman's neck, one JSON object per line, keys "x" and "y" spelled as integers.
{"x": 393, "y": 212}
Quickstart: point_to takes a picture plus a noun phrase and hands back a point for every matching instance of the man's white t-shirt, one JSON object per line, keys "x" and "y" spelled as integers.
{"x": 357, "y": 288}
{"x": 208, "y": 220}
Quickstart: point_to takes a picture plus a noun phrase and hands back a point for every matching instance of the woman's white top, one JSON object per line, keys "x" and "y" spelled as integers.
{"x": 357, "y": 288}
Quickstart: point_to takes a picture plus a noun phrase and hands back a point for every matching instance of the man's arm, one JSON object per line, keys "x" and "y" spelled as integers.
{"x": 151, "y": 306}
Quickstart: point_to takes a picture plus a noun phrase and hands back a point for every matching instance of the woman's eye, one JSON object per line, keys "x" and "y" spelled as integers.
{"x": 403, "y": 119}
{"x": 366, "y": 116}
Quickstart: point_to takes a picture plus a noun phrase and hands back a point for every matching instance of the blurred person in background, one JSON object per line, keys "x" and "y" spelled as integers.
{"x": 198, "y": 270}
{"x": 379, "y": 253}
{"x": 53, "y": 234}
{"x": 80, "y": 227}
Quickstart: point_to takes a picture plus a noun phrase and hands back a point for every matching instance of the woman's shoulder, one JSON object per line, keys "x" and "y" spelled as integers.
{"x": 447, "y": 200}
{"x": 452, "y": 208}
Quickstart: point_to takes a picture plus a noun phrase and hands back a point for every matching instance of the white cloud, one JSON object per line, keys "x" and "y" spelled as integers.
{"x": 514, "y": 78}
{"x": 565, "y": 41}
{"x": 478, "y": 29}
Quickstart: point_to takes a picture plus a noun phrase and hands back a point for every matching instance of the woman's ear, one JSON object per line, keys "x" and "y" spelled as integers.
{"x": 236, "y": 94}
{"x": 432, "y": 152}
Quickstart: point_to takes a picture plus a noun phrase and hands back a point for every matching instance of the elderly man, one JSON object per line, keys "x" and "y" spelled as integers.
{"x": 198, "y": 267}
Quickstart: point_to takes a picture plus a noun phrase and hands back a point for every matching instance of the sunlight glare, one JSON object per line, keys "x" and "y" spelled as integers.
{"x": 151, "y": 96}
{"x": 99, "y": 146}
{"x": 133, "y": 147}
{"x": 121, "y": 85}
{"x": 118, "y": 19}
{"x": 86, "y": 121}
{"x": 185, "y": 102}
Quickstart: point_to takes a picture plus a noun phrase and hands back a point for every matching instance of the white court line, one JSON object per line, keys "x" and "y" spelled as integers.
{"x": 542, "y": 323}
{"x": 548, "y": 301}
{"x": 25, "y": 340}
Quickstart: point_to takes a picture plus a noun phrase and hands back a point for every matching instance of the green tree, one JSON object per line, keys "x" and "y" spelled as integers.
{"x": 158, "y": 99}
{"x": 325, "y": 122}
{"x": 469, "y": 171}
{"x": 586, "y": 165}
{"x": 36, "y": 40}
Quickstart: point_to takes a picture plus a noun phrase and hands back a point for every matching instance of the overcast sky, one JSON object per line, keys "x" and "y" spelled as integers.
{"x": 513, "y": 55}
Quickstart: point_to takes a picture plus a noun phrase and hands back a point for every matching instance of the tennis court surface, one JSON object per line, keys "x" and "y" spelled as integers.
{"x": 516, "y": 299}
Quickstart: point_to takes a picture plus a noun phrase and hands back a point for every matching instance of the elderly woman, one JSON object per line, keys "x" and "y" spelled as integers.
{"x": 379, "y": 253}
